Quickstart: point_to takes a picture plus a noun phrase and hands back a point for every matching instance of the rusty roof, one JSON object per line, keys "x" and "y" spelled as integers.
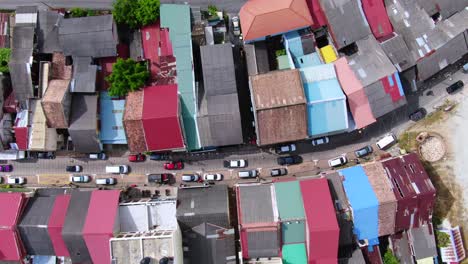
{"x": 132, "y": 121}
{"x": 56, "y": 91}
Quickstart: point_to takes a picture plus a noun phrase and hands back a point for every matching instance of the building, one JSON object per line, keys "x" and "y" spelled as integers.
{"x": 401, "y": 247}
{"x": 56, "y": 222}
{"x": 413, "y": 189}
{"x": 422, "y": 243}
{"x": 41, "y": 137}
{"x": 398, "y": 52}
{"x": 176, "y": 18}
{"x": 48, "y": 23}
{"x": 111, "y": 117}
{"x": 259, "y": 18}
{"x": 56, "y": 103}
{"x": 322, "y": 231}
{"x": 153, "y": 119}
{"x": 59, "y": 68}
{"x": 93, "y": 36}
{"x": 219, "y": 121}
{"x": 357, "y": 100}
{"x": 83, "y": 128}
{"x": 278, "y": 103}
{"x": 379, "y": 77}
{"x": 84, "y": 75}
{"x": 376, "y": 16}
{"x": 4, "y": 30}
{"x": 11, "y": 246}
{"x": 455, "y": 251}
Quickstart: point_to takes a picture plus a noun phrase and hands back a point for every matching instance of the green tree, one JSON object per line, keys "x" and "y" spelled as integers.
{"x": 136, "y": 13}
{"x": 4, "y": 59}
{"x": 92, "y": 12}
{"x": 212, "y": 10}
{"x": 389, "y": 258}
{"x": 443, "y": 239}
{"x": 78, "y": 12}
{"x": 127, "y": 76}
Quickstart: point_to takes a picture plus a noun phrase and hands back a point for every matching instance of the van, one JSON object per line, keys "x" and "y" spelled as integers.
{"x": 117, "y": 169}
{"x": 386, "y": 141}
{"x": 248, "y": 174}
{"x": 338, "y": 161}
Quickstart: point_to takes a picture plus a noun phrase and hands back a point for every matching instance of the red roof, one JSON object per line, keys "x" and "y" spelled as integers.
{"x": 357, "y": 98}
{"x": 260, "y": 18}
{"x": 150, "y": 38}
{"x": 55, "y": 225}
{"x": 11, "y": 206}
{"x": 22, "y": 135}
{"x": 316, "y": 11}
{"x": 322, "y": 227}
{"x": 166, "y": 45}
{"x": 100, "y": 223}
{"x": 377, "y": 17}
{"x": 161, "y": 118}
{"x": 4, "y": 17}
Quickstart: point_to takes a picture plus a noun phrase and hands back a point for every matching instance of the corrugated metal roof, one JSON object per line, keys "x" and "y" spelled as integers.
{"x": 328, "y": 54}
{"x": 363, "y": 202}
{"x": 47, "y": 31}
{"x": 324, "y": 232}
{"x": 84, "y": 75}
{"x": 289, "y": 200}
{"x": 56, "y": 222}
{"x": 177, "y": 19}
{"x": 293, "y": 232}
{"x": 397, "y": 51}
{"x": 261, "y": 243}
{"x": 422, "y": 241}
{"x": 401, "y": 247}
{"x": 337, "y": 190}
{"x": 377, "y": 17}
{"x": 256, "y": 204}
{"x": 294, "y": 254}
{"x": 259, "y": 18}
{"x": 11, "y": 246}
{"x": 111, "y": 113}
{"x": 56, "y": 103}
{"x": 150, "y": 40}
{"x": 132, "y": 121}
{"x": 83, "y": 124}
{"x": 40, "y": 136}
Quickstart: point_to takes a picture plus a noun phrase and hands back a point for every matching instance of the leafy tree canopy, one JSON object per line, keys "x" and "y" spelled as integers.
{"x": 389, "y": 258}
{"x": 78, "y": 12}
{"x": 443, "y": 239}
{"x": 127, "y": 76}
{"x": 212, "y": 10}
{"x": 136, "y": 13}
{"x": 4, "y": 59}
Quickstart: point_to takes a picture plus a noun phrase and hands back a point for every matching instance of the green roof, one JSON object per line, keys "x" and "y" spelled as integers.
{"x": 293, "y": 232}
{"x": 294, "y": 254}
{"x": 177, "y": 19}
{"x": 289, "y": 200}
{"x": 283, "y": 62}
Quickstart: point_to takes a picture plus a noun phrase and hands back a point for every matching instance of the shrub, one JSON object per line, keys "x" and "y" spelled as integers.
{"x": 127, "y": 76}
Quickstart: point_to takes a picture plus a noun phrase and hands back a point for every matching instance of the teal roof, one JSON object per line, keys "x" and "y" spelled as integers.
{"x": 294, "y": 254}
{"x": 177, "y": 19}
{"x": 111, "y": 118}
{"x": 293, "y": 232}
{"x": 289, "y": 200}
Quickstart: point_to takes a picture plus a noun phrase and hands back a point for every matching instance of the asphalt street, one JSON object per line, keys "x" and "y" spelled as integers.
{"x": 92, "y": 4}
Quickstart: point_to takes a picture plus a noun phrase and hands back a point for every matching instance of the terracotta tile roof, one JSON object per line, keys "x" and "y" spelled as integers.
{"x": 133, "y": 123}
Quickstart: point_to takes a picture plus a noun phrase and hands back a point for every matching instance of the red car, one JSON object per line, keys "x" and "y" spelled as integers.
{"x": 137, "y": 157}
{"x": 174, "y": 165}
{"x": 6, "y": 168}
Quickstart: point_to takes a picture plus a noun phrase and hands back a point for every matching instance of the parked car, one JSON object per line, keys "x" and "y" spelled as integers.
{"x": 289, "y": 160}
{"x": 174, "y": 165}
{"x": 338, "y": 161}
{"x": 278, "y": 172}
{"x": 455, "y": 87}
{"x": 418, "y": 114}
{"x": 80, "y": 178}
{"x": 213, "y": 177}
{"x": 159, "y": 156}
{"x": 97, "y": 156}
{"x": 363, "y": 151}
{"x": 46, "y": 155}
{"x": 190, "y": 177}
{"x": 285, "y": 149}
{"x": 118, "y": 169}
{"x": 235, "y": 163}
{"x": 235, "y": 26}
{"x": 106, "y": 181}
{"x": 6, "y": 168}
{"x": 16, "y": 180}
{"x": 386, "y": 141}
{"x": 137, "y": 157}
{"x": 248, "y": 174}
{"x": 74, "y": 168}
{"x": 163, "y": 178}
{"x": 320, "y": 141}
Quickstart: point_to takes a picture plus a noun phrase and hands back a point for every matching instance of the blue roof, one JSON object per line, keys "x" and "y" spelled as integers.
{"x": 177, "y": 19}
{"x": 327, "y": 117}
{"x": 293, "y": 42}
{"x": 111, "y": 117}
{"x": 308, "y": 60}
{"x": 364, "y": 203}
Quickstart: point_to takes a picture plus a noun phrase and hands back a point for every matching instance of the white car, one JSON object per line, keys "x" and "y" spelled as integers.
{"x": 190, "y": 177}
{"x": 80, "y": 178}
{"x": 320, "y": 141}
{"x": 106, "y": 181}
{"x": 213, "y": 177}
{"x": 236, "y": 26}
{"x": 97, "y": 156}
{"x": 235, "y": 163}
{"x": 16, "y": 180}
{"x": 338, "y": 161}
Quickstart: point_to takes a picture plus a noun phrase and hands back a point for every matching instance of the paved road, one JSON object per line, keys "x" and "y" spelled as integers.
{"x": 93, "y": 4}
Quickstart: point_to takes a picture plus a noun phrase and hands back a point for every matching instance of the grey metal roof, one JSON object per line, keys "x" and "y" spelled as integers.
{"x": 231, "y": 6}
{"x": 33, "y": 226}
{"x": 397, "y": 51}
{"x": 261, "y": 56}
{"x": 251, "y": 60}
{"x": 263, "y": 243}
{"x": 256, "y": 204}
{"x": 450, "y": 7}
{"x": 219, "y": 115}
{"x": 423, "y": 242}
{"x": 346, "y": 21}
{"x": 209, "y": 244}
{"x": 21, "y": 82}
{"x": 47, "y": 31}
{"x": 83, "y": 123}
{"x": 94, "y": 36}
{"x": 401, "y": 247}
{"x": 136, "y": 46}
{"x": 72, "y": 232}
{"x": 23, "y": 37}
{"x": 335, "y": 183}
{"x": 26, "y": 9}
{"x": 380, "y": 102}
{"x": 84, "y": 75}
{"x": 196, "y": 206}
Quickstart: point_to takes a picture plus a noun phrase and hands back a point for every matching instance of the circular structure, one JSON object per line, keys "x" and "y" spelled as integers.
{"x": 432, "y": 148}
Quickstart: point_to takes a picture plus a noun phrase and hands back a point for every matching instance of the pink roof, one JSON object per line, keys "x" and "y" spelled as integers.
{"x": 11, "y": 206}
{"x": 322, "y": 227}
{"x": 150, "y": 38}
{"x": 357, "y": 98}
{"x": 376, "y": 15}
{"x": 316, "y": 11}
{"x": 166, "y": 45}
{"x": 55, "y": 225}
{"x": 161, "y": 118}
{"x": 261, "y": 18}
{"x": 100, "y": 223}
